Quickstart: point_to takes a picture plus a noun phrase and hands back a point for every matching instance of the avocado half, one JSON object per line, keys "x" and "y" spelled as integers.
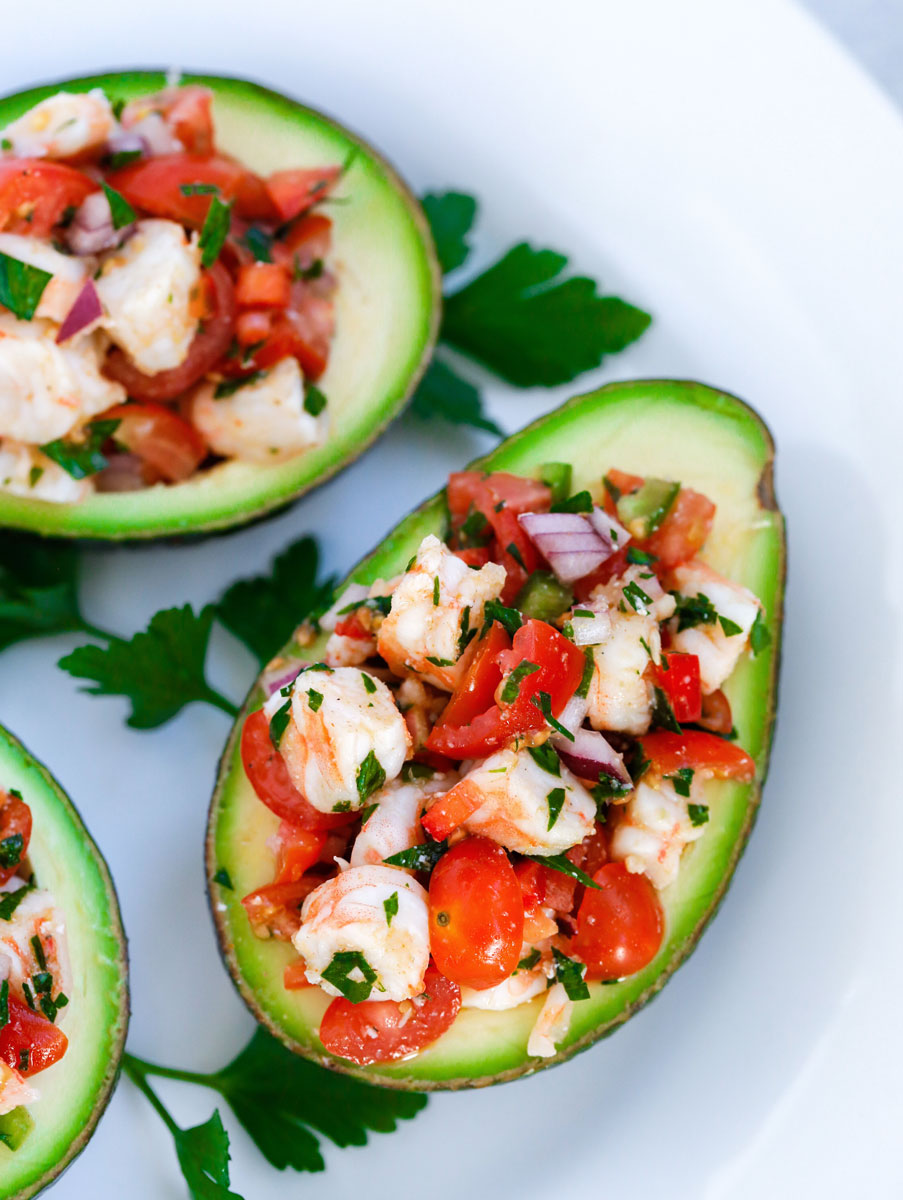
{"x": 75, "y": 1091}
{"x": 710, "y": 441}
{"x": 388, "y": 305}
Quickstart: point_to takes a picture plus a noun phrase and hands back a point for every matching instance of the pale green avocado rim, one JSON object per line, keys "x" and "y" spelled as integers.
{"x": 681, "y": 430}
{"x": 75, "y": 1091}
{"x": 388, "y": 306}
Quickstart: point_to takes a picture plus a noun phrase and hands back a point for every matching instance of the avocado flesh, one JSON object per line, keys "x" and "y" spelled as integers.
{"x": 709, "y": 441}
{"x": 387, "y": 313}
{"x": 74, "y": 1091}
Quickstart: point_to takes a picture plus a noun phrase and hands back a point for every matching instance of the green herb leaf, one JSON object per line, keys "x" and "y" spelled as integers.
{"x": 555, "y": 801}
{"x": 338, "y": 973}
{"x": 4, "y": 1003}
{"x": 370, "y": 777}
{"x": 214, "y": 231}
{"x": 581, "y": 502}
{"x": 390, "y": 904}
{"x": 731, "y": 628}
{"x": 436, "y": 591}
{"x": 546, "y": 757}
{"x": 418, "y": 858}
{"x": 203, "y": 1153}
{"x": 259, "y": 243}
{"x": 451, "y": 215}
{"x": 369, "y": 683}
{"x": 122, "y": 158}
{"x": 570, "y": 973}
{"x": 698, "y": 814}
{"x": 589, "y": 669}
{"x": 228, "y": 387}
{"x": 494, "y": 610}
{"x": 160, "y": 669}
{"x": 529, "y": 325}
{"x": 224, "y": 879}
{"x": 315, "y": 698}
{"x": 121, "y": 211}
{"x": 199, "y": 189}
{"x": 511, "y": 687}
{"x": 562, "y": 864}
{"x": 21, "y": 286}
{"x": 681, "y": 780}
{"x": 84, "y": 457}
{"x": 759, "y": 635}
{"x": 11, "y": 850}
{"x": 415, "y": 770}
{"x": 663, "y": 715}
{"x": 444, "y": 394}
{"x": 515, "y": 553}
{"x": 314, "y": 400}
{"x": 439, "y": 662}
{"x": 693, "y": 610}
{"x": 279, "y": 722}
{"x": 640, "y": 558}
{"x": 638, "y": 600}
{"x": 263, "y": 612}
{"x": 543, "y": 701}
{"x": 475, "y": 530}
{"x": 529, "y": 962}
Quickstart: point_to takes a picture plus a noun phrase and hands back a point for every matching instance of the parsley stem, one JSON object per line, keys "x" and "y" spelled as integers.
{"x": 143, "y": 1067}
{"x": 135, "y": 1069}
{"x": 218, "y": 700}
{"x": 95, "y": 631}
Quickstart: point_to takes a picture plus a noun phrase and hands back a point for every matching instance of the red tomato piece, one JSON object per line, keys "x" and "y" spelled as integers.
{"x": 163, "y": 439}
{"x": 34, "y": 194}
{"x": 385, "y": 1030}
{"x": 293, "y": 192}
{"x": 707, "y": 752}
{"x": 678, "y": 677}
{"x": 350, "y": 626}
{"x": 155, "y": 186}
{"x": 474, "y": 556}
{"x": 263, "y": 285}
{"x": 543, "y": 887}
{"x": 275, "y": 909}
{"x": 302, "y": 331}
{"x": 32, "y": 1032}
{"x": 310, "y": 238}
{"x": 299, "y": 849}
{"x": 293, "y": 977}
{"x": 620, "y": 926}
{"x": 481, "y": 676}
{"x": 190, "y": 119}
{"x": 252, "y": 328}
{"x": 451, "y": 811}
{"x": 592, "y": 852}
{"x": 15, "y": 820}
{"x": 269, "y": 777}
{"x": 209, "y": 345}
{"x": 476, "y": 914}
{"x": 684, "y": 530}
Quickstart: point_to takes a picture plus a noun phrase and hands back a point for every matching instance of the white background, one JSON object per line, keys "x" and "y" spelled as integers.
{"x": 724, "y": 165}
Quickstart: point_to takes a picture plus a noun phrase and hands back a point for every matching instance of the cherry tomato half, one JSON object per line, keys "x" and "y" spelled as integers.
{"x": 678, "y": 677}
{"x": 32, "y": 1032}
{"x": 669, "y": 752}
{"x": 619, "y": 927}
{"x": 34, "y": 194}
{"x": 15, "y": 822}
{"x": 160, "y": 437}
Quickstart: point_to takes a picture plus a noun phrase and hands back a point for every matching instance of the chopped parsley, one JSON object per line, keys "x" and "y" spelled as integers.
{"x": 4, "y": 1003}
{"x": 37, "y": 949}
{"x": 314, "y": 400}
{"x": 510, "y": 618}
{"x": 529, "y": 962}
{"x": 229, "y": 387}
{"x": 367, "y": 813}
{"x": 12, "y": 900}
{"x": 663, "y": 712}
{"x": 224, "y": 879}
{"x": 555, "y": 801}
{"x": 511, "y": 687}
{"x": 418, "y": 858}
{"x": 259, "y": 243}
{"x": 436, "y": 591}
{"x": 474, "y": 529}
{"x": 21, "y": 286}
{"x": 681, "y": 780}
{"x": 515, "y": 554}
{"x": 279, "y": 723}
{"x": 640, "y": 557}
{"x": 543, "y": 701}
{"x": 693, "y": 610}
{"x": 369, "y": 683}
{"x": 731, "y": 628}
{"x": 121, "y": 211}
{"x": 415, "y": 770}
{"x": 545, "y": 757}
{"x": 198, "y": 189}
{"x": 122, "y": 158}
{"x": 467, "y": 634}
{"x": 638, "y": 600}
{"x": 34, "y": 476}
{"x": 315, "y": 698}
{"x": 29, "y": 998}
{"x": 570, "y": 974}
{"x": 11, "y": 850}
{"x": 759, "y": 635}
{"x": 214, "y": 231}
{"x": 580, "y": 502}
{"x": 342, "y": 806}
{"x": 589, "y": 667}
{"x": 370, "y": 777}
{"x": 339, "y": 972}
{"x": 439, "y": 662}
{"x": 562, "y": 864}
{"x": 82, "y": 458}
{"x": 391, "y": 907}
{"x": 698, "y": 814}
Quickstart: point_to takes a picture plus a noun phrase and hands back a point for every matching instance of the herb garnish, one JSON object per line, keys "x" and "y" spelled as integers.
{"x": 529, "y": 962}
{"x": 369, "y": 683}
{"x": 370, "y": 777}
{"x": 638, "y": 600}
{"x": 570, "y": 974}
{"x": 543, "y": 701}
{"x": 511, "y": 687}
{"x": 759, "y": 635}
{"x": 436, "y": 591}
{"x": 339, "y": 971}
{"x": 121, "y": 212}
{"x": 21, "y": 286}
{"x": 640, "y": 558}
{"x": 259, "y": 243}
{"x": 82, "y": 458}
{"x": 581, "y": 502}
{"x": 214, "y": 231}
{"x": 562, "y": 864}
{"x": 555, "y": 801}
{"x": 224, "y": 879}
{"x": 418, "y": 858}
{"x": 698, "y": 813}
{"x": 510, "y": 618}
{"x": 589, "y": 668}
{"x": 545, "y": 757}
{"x": 390, "y": 904}
{"x": 681, "y": 780}
{"x": 314, "y": 699}
{"x": 12, "y": 900}
{"x": 663, "y": 713}
{"x": 11, "y": 850}
{"x": 314, "y": 400}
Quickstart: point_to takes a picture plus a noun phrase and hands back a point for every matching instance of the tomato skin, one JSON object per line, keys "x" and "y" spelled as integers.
{"x": 163, "y": 439}
{"x": 474, "y": 556}
{"x": 275, "y": 909}
{"x": 347, "y": 1030}
{"x": 543, "y": 887}
{"x": 262, "y": 285}
{"x": 299, "y": 849}
{"x": 294, "y": 978}
{"x": 481, "y": 676}
{"x": 716, "y": 714}
{"x": 310, "y": 238}
{"x": 293, "y": 192}
{"x": 620, "y": 927}
{"x": 30, "y": 1031}
{"x": 15, "y": 818}
{"x": 678, "y": 677}
{"x": 190, "y": 119}
{"x": 476, "y": 914}
{"x": 269, "y": 777}
{"x": 155, "y": 185}
{"x": 684, "y": 530}
{"x": 35, "y": 193}
{"x": 707, "y": 752}
{"x": 208, "y": 347}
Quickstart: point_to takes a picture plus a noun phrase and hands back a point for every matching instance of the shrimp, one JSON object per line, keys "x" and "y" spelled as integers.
{"x": 25, "y": 471}
{"x": 344, "y": 731}
{"x": 436, "y": 607}
{"x": 394, "y": 825}
{"x": 150, "y": 291}
{"x": 552, "y": 1023}
{"x": 68, "y": 273}
{"x": 517, "y": 989}
{"x": 518, "y": 799}
{"x": 14, "y": 1090}
{"x": 36, "y": 916}
{"x": 61, "y": 126}
{"x": 379, "y": 915}
{"x": 718, "y": 651}
{"x": 653, "y": 830}
{"x": 264, "y": 420}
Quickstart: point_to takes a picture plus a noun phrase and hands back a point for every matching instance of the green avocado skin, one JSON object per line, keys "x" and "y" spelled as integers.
{"x": 67, "y": 861}
{"x": 679, "y": 430}
{"x": 381, "y": 227}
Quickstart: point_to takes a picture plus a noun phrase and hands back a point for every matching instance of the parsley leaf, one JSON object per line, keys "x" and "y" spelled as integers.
{"x": 11, "y": 901}
{"x": 121, "y": 211}
{"x": 443, "y": 393}
{"x": 82, "y": 458}
{"x": 451, "y": 215}
{"x": 160, "y": 669}
{"x": 203, "y": 1153}
{"x": 314, "y": 400}
{"x": 543, "y": 701}
{"x": 224, "y": 879}
{"x": 279, "y": 722}
{"x": 529, "y": 325}
{"x": 580, "y": 502}
{"x": 681, "y": 780}
{"x": 370, "y": 777}
{"x": 698, "y": 814}
{"x": 11, "y": 850}
{"x": 693, "y": 610}
{"x": 338, "y": 973}
{"x": 228, "y": 387}
{"x": 555, "y": 801}
{"x": 21, "y": 286}
{"x": 570, "y": 973}
{"x": 561, "y": 863}
{"x": 663, "y": 716}
{"x": 545, "y": 757}
{"x": 214, "y": 231}
{"x": 264, "y": 611}
{"x": 759, "y": 635}
{"x": 39, "y": 589}
{"x": 511, "y": 686}
{"x": 390, "y": 904}
{"x": 259, "y": 243}
{"x": 730, "y": 628}
{"x": 418, "y": 858}
{"x": 494, "y": 610}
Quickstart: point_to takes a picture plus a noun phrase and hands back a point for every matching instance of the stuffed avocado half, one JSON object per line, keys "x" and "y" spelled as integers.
{"x": 313, "y": 309}
{"x": 716, "y": 447}
{"x": 64, "y": 995}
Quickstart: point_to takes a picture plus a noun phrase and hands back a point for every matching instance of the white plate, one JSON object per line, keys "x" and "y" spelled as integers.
{"x": 725, "y": 165}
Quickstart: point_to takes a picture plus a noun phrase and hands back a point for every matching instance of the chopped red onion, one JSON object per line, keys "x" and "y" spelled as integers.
{"x": 353, "y": 593}
{"x": 123, "y": 473}
{"x": 84, "y": 312}
{"x": 570, "y": 544}
{"x": 574, "y": 713}
{"x": 591, "y": 631}
{"x": 282, "y": 676}
{"x": 125, "y": 141}
{"x": 92, "y": 229}
{"x": 156, "y": 135}
{"x": 610, "y": 529}
{"x": 590, "y": 755}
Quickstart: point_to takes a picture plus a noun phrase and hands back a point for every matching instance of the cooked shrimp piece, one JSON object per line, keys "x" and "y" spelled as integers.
{"x": 25, "y": 471}
{"x": 517, "y": 989}
{"x": 344, "y": 731}
{"x": 436, "y": 606}
{"x": 394, "y": 825}
{"x": 517, "y": 802}
{"x": 552, "y": 1024}
{"x": 718, "y": 652}
{"x": 653, "y": 830}
{"x": 68, "y": 272}
{"x": 378, "y": 913}
{"x": 35, "y": 916}
{"x": 14, "y": 1089}
{"x": 344, "y": 651}
{"x": 61, "y": 126}
{"x": 264, "y": 420}
{"x": 150, "y": 289}
{"x": 46, "y": 389}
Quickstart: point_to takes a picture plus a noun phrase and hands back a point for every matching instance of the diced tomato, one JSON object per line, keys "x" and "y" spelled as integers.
{"x": 480, "y": 677}
{"x": 299, "y": 849}
{"x": 263, "y": 285}
{"x": 350, "y": 626}
{"x": 678, "y": 677}
{"x": 252, "y": 328}
{"x": 269, "y": 777}
{"x": 591, "y": 853}
{"x": 210, "y": 343}
{"x": 684, "y": 530}
{"x": 160, "y": 437}
{"x": 452, "y": 810}
{"x": 15, "y": 822}
{"x": 474, "y": 556}
{"x": 310, "y": 238}
{"x": 293, "y": 192}
{"x": 541, "y": 886}
{"x": 385, "y": 1030}
{"x": 716, "y": 714}
{"x": 35, "y": 193}
{"x": 624, "y": 484}
{"x": 476, "y": 914}
{"x": 275, "y": 910}
{"x": 30, "y": 1038}
{"x": 706, "y": 752}
{"x": 302, "y": 331}
{"x": 155, "y": 186}
{"x": 294, "y": 978}
{"x": 620, "y": 925}
{"x": 190, "y": 119}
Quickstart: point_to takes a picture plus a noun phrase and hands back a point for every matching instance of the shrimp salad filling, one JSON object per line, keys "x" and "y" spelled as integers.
{"x": 490, "y": 780}
{"x": 162, "y": 307}
{"x": 34, "y": 974}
